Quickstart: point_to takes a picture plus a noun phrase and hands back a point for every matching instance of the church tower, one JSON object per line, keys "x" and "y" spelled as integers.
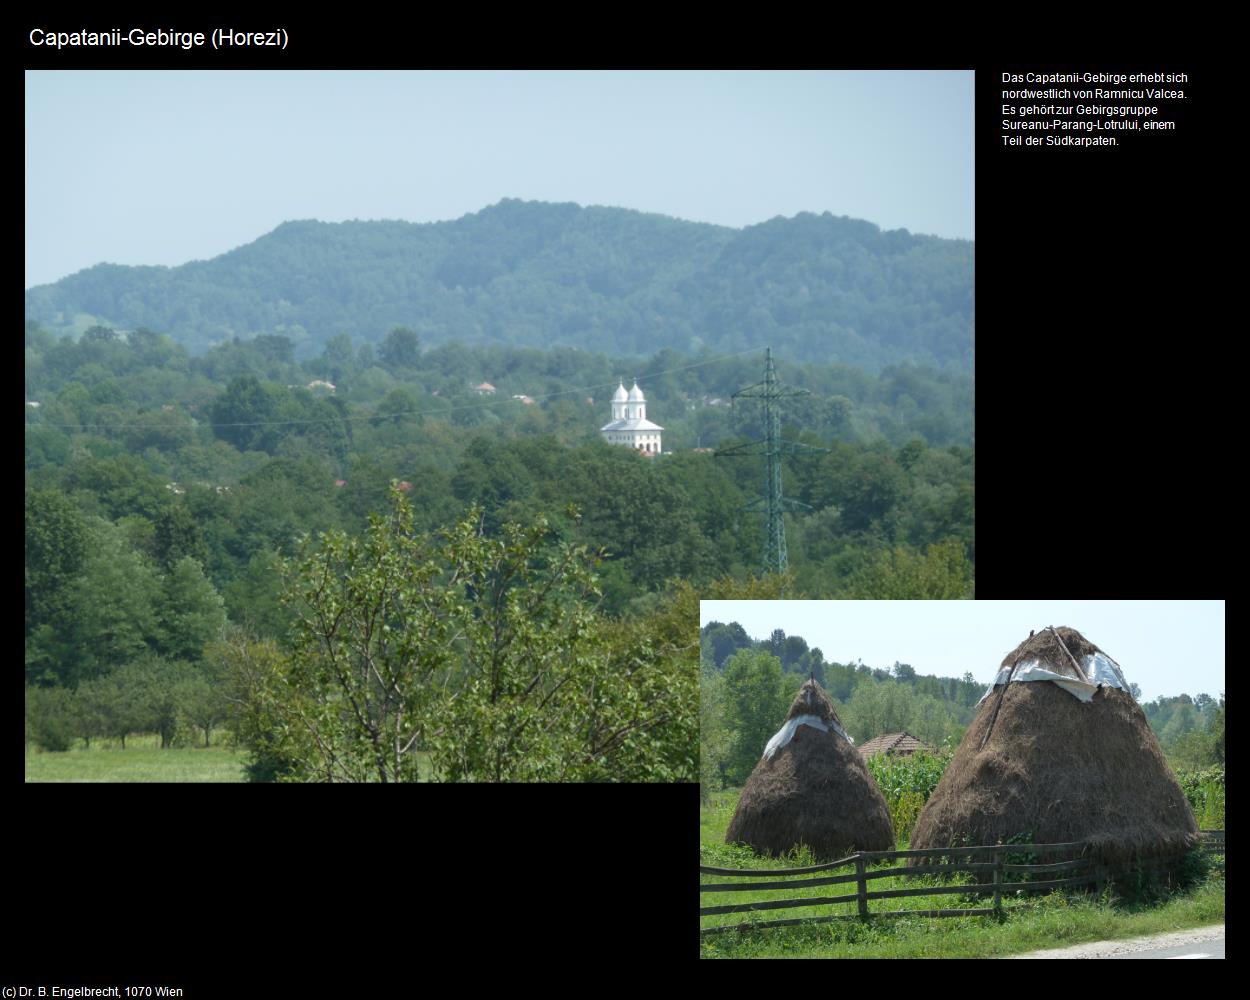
{"x": 630, "y": 425}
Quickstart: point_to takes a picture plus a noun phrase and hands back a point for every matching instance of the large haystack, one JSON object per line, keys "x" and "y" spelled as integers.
{"x": 813, "y": 790}
{"x": 1039, "y": 761}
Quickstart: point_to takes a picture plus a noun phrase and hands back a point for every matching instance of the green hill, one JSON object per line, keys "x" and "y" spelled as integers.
{"x": 819, "y": 288}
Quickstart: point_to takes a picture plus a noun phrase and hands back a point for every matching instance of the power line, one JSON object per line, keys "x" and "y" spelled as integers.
{"x": 771, "y": 501}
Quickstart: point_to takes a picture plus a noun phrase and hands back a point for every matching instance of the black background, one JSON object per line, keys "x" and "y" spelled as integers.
{"x": 1101, "y": 417}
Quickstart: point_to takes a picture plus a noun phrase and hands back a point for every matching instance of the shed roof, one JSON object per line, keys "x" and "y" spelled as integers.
{"x": 902, "y": 743}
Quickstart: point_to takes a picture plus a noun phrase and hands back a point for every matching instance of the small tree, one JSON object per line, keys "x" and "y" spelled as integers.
{"x": 642, "y": 717}
{"x": 201, "y": 703}
{"x": 943, "y": 572}
{"x": 483, "y": 651}
{"x": 50, "y": 717}
{"x": 714, "y": 738}
{"x": 253, "y": 682}
{"x": 401, "y": 350}
{"x": 372, "y": 653}
{"x": 192, "y": 612}
{"x": 150, "y": 695}
{"x": 756, "y": 704}
{"x": 102, "y": 711}
{"x": 531, "y": 655}
{"x": 486, "y": 652}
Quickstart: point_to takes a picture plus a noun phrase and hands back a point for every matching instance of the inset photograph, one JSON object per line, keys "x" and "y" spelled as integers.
{"x": 887, "y": 778}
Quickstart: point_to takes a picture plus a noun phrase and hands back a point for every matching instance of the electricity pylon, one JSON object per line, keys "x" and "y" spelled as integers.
{"x": 772, "y": 502}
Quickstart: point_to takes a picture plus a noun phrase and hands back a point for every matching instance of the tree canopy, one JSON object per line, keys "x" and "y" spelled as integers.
{"x": 484, "y": 653}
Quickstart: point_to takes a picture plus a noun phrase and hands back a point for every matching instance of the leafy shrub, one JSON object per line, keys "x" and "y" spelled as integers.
{"x": 1025, "y": 858}
{"x": 1142, "y": 884}
{"x": 264, "y": 764}
{"x": 1205, "y": 792}
{"x": 51, "y": 721}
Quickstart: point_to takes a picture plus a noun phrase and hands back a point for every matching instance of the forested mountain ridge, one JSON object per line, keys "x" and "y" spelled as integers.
{"x": 819, "y": 288}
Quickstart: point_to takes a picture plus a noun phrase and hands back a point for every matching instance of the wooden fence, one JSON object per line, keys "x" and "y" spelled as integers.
{"x": 989, "y": 862}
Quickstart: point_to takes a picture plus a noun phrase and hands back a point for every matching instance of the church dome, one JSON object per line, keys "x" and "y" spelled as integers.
{"x": 620, "y": 396}
{"x": 635, "y": 395}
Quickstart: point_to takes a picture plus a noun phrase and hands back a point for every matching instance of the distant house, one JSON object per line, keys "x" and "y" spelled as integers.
{"x": 902, "y": 744}
{"x": 321, "y": 384}
{"x": 34, "y": 403}
{"x": 525, "y": 399}
{"x": 340, "y": 482}
{"x": 485, "y": 389}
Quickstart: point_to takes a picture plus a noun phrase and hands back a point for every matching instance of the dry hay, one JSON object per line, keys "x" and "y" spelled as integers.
{"x": 816, "y": 790}
{"x": 1064, "y": 769}
{"x": 812, "y": 699}
{"x": 1042, "y": 646}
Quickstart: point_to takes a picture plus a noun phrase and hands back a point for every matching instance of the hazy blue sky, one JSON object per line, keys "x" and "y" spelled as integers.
{"x": 135, "y": 167}
{"x": 1165, "y": 647}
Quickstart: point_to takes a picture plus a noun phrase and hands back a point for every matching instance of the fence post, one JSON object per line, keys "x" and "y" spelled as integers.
{"x": 863, "y": 885}
{"x": 998, "y": 878}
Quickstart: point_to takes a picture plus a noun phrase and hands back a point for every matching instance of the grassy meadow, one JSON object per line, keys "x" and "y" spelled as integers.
{"x": 142, "y": 760}
{"x": 1030, "y": 923}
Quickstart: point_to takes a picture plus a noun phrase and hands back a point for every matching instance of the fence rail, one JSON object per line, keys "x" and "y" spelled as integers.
{"x": 1073, "y": 872}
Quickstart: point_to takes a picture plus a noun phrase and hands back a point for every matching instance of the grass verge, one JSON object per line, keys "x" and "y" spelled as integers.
{"x": 1030, "y": 923}
{"x": 142, "y": 760}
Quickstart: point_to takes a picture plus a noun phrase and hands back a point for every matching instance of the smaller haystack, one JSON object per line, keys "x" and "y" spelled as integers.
{"x": 811, "y": 787}
{"x": 1061, "y": 752}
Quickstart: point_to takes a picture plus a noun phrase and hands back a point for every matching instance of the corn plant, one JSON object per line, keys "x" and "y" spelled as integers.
{"x": 907, "y": 783}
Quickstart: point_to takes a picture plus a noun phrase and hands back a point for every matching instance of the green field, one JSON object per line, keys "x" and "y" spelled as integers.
{"x": 140, "y": 761}
{"x": 144, "y": 760}
{"x": 1030, "y": 923}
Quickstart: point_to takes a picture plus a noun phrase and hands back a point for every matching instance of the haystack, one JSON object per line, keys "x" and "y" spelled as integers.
{"x": 811, "y": 787}
{"x": 1060, "y": 760}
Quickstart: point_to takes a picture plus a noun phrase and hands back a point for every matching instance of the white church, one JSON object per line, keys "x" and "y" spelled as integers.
{"x": 630, "y": 425}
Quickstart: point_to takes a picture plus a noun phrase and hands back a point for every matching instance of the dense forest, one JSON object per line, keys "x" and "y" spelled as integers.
{"x": 818, "y": 289}
{"x": 249, "y": 451}
{"x": 747, "y": 685}
{"x": 171, "y": 501}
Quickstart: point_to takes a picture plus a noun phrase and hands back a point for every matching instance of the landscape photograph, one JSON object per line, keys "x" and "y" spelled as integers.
{"x": 391, "y": 426}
